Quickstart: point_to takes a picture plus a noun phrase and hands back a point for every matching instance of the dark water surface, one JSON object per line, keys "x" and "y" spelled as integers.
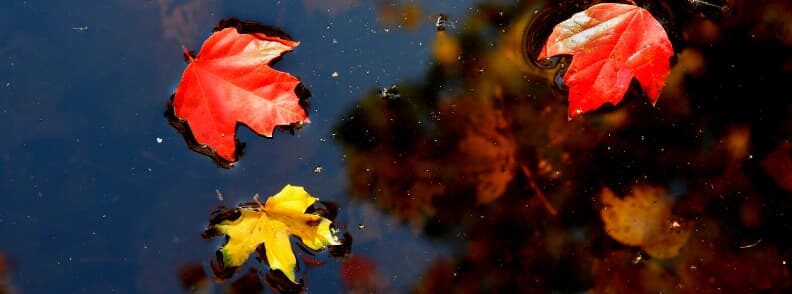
{"x": 102, "y": 195}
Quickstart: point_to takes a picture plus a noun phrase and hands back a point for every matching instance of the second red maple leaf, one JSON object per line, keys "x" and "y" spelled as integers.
{"x": 231, "y": 81}
{"x": 610, "y": 43}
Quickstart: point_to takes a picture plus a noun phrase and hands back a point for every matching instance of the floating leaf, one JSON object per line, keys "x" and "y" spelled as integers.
{"x": 230, "y": 81}
{"x": 611, "y": 43}
{"x": 271, "y": 224}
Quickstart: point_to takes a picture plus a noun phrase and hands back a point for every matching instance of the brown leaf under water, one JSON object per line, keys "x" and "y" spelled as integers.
{"x": 644, "y": 219}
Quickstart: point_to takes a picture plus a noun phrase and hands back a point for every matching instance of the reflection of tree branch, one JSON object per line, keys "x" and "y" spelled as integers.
{"x": 528, "y": 174}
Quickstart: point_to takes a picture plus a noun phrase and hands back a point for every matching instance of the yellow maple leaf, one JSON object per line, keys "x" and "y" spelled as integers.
{"x": 644, "y": 219}
{"x": 271, "y": 224}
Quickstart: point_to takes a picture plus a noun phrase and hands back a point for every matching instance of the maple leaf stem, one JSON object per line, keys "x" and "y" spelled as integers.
{"x": 187, "y": 53}
{"x": 537, "y": 191}
{"x": 256, "y": 198}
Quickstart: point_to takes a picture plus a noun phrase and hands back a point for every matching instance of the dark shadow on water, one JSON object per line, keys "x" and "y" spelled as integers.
{"x": 281, "y": 284}
{"x": 251, "y": 27}
{"x": 184, "y": 129}
{"x": 250, "y": 282}
{"x": 193, "y": 277}
{"x": 540, "y": 27}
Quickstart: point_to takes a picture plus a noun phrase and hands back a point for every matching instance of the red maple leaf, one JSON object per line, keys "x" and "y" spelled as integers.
{"x": 610, "y": 44}
{"x": 230, "y": 81}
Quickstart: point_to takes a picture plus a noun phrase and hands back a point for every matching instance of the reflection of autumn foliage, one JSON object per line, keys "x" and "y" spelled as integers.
{"x": 778, "y": 165}
{"x": 465, "y": 154}
{"x": 392, "y": 181}
{"x": 706, "y": 267}
{"x": 502, "y": 252}
{"x": 486, "y": 149}
{"x": 710, "y": 263}
{"x": 769, "y": 20}
{"x": 402, "y": 15}
{"x": 623, "y": 271}
{"x": 5, "y": 276}
{"x": 359, "y": 274}
{"x": 461, "y": 146}
{"x": 697, "y": 198}
{"x": 181, "y": 19}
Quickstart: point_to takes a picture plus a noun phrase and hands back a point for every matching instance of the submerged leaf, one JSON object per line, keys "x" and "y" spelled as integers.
{"x": 644, "y": 219}
{"x": 271, "y": 224}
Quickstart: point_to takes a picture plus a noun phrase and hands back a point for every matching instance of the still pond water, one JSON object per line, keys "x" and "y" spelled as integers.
{"x": 440, "y": 148}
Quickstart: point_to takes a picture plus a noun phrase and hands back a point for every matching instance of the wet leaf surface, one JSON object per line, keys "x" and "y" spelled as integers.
{"x": 267, "y": 228}
{"x": 610, "y": 43}
{"x": 230, "y": 81}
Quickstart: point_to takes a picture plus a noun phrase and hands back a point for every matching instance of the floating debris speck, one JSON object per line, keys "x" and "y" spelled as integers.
{"x": 440, "y": 23}
{"x": 391, "y": 93}
{"x": 219, "y": 195}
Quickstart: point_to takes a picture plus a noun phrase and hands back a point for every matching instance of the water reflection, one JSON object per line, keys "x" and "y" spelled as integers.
{"x": 95, "y": 204}
{"x": 6, "y": 270}
{"x": 446, "y": 158}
